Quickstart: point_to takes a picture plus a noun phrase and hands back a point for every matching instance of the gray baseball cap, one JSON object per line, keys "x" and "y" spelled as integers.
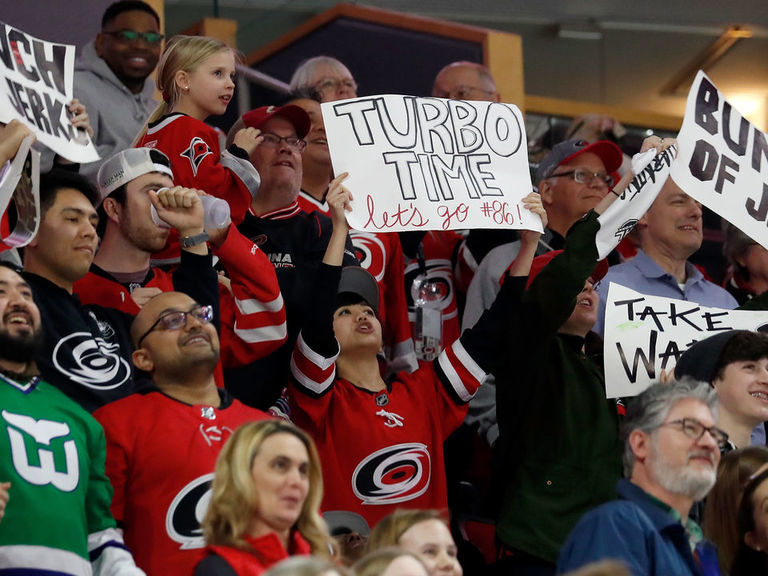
{"x": 567, "y": 150}
{"x": 129, "y": 165}
{"x": 358, "y": 281}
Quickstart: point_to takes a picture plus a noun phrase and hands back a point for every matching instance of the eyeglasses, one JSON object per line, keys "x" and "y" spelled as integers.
{"x": 463, "y": 92}
{"x": 695, "y": 430}
{"x": 583, "y": 176}
{"x": 273, "y": 140}
{"x": 335, "y": 85}
{"x": 133, "y": 36}
{"x": 175, "y": 319}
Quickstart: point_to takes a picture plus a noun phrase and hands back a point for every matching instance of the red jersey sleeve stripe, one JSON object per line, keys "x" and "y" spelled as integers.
{"x": 264, "y": 334}
{"x": 254, "y": 306}
{"x": 311, "y": 370}
{"x": 463, "y": 373}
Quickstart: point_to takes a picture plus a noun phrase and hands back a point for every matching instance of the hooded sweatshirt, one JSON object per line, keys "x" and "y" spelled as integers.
{"x": 115, "y": 113}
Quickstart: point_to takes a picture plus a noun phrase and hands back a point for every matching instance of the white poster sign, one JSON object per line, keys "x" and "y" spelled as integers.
{"x": 647, "y": 334}
{"x": 723, "y": 160}
{"x": 36, "y": 87}
{"x": 431, "y": 164}
{"x": 651, "y": 171}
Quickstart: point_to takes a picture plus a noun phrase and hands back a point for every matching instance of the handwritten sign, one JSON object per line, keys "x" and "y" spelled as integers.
{"x": 431, "y": 164}
{"x": 723, "y": 160}
{"x": 651, "y": 171}
{"x": 36, "y": 87}
{"x": 647, "y": 334}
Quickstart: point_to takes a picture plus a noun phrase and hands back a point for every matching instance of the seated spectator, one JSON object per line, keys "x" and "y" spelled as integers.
{"x": 748, "y": 265}
{"x": 671, "y": 452}
{"x": 390, "y": 561}
{"x": 350, "y": 531}
{"x": 162, "y": 445}
{"x": 87, "y": 349}
{"x": 252, "y": 311}
{"x": 177, "y": 126}
{"x": 720, "y": 516}
{"x": 752, "y": 554}
{"x": 307, "y": 566}
{"x": 326, "y": 76}
{"x": 735, "y": 364}
{"x": 403, "y": 422}
{"x": 54, "y": 495}
{"x": 294, "y": 242}
{"x": 266, "y": 495}
{"x": 113, "y": 77}
{"x": 465, "y": 81}
{"x": 670, "y": 232}
{"x": 424, "y": 533}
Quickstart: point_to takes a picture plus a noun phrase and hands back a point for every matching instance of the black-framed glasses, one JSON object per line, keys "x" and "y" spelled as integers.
{"x": 695, "y": 430}
{"x": 273, "y": 140}
{"x": 584, "y": 176}
{"x": 464, "y": 92}
{"x": 133, "y": 35}
{"x": 175, "y": 319}
{"x": 334, "y": 84}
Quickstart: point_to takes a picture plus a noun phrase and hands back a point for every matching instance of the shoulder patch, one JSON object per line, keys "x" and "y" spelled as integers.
{"x": 196, "y": 152}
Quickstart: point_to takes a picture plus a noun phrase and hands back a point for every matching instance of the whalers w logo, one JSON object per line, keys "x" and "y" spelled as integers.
{"x": 34, "y": 447}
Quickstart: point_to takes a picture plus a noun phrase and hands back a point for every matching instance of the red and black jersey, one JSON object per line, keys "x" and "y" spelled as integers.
{"x": 252, "y": 311}
{"x": 161, "y": 455}
{"x": 198, "y": 162}
{"x": 380, "y": 450}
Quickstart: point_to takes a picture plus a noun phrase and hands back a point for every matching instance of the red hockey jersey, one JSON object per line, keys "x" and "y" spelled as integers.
{"x": 161, "y": 455}
{"x": 252, "y": 314}
{"x": 198, "y": 162}
{"x": 383, "y": 451}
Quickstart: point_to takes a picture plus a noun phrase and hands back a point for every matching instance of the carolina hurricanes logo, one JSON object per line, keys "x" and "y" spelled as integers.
{"x": 260, "y": 239}
{"x": 440, "y": 277}
{"x": 394, "y": 474}
{"x": 90, "y": 361}
{"x": 371, "y": 253}
{"x": 182, "y": 521}
{"x": 196, "y": 152}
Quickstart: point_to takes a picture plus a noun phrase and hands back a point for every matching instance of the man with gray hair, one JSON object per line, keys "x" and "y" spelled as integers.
{"x": 671, "y": 452}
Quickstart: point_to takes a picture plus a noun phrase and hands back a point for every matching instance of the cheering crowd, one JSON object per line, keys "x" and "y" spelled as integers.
{"x": 204, "y": 370}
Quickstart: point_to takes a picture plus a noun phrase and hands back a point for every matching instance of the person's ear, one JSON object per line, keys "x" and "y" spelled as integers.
{"x": 750, "y": 539}
{"x": 142, "y": 359}
{"x": 546, "y": 192}
{"x": 640, "y": 443}
{"x": 111, "y": 209}
{"x": 181, "y": 79}
{"x": 97, "y": 44}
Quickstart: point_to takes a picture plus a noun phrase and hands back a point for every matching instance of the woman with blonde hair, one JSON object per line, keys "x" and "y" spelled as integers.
{"x": 720, "y": 513}
{"x": 196, "y": 77}
{"x": 265, "y": 504}
{"x": 424, "y": 533}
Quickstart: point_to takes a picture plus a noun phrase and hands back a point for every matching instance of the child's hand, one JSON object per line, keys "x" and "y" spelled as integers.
{"x": 532, "y": 202}
{"x": 248, "y": 139}
{"x": 339, "y": 198}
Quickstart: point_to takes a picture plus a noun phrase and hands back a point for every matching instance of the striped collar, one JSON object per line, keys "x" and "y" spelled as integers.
{"x": 281, "y": 213}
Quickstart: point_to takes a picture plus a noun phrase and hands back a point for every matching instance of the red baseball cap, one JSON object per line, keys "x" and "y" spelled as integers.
{"x": 566, "y": 151}
{"x": 294, "y": 114}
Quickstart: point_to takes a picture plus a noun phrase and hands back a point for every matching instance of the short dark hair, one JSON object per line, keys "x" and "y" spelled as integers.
{"x": 117, "y": 8}
{"x": 57, "y": 179}
{"x": 744, "y": 346}
{"x": 119, "y": 195}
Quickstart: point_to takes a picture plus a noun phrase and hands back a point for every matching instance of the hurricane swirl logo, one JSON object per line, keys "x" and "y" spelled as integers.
{"x": 439, "y": 275}
{"x": 90, "y": 361}
{"x": 371, "y": 253}
{"x": 393, "y": 474}
{"x": 182, "y": 521}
